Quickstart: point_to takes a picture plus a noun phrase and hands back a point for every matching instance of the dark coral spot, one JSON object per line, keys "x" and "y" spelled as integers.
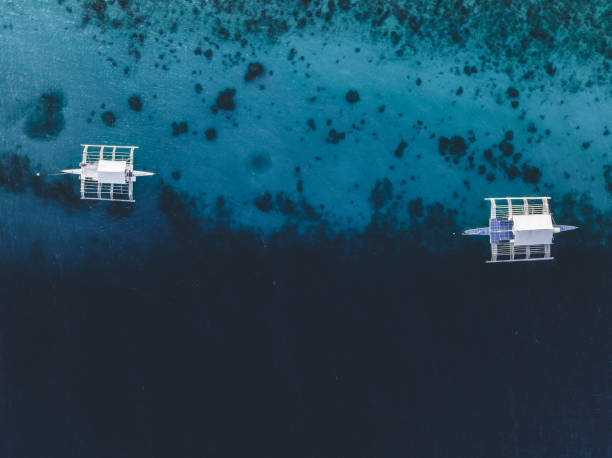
{"x": 335, "y": 136}
{"x": 46, "y": 120}
{"x": 443, "y": 145}
{"x": 415, "y": 23}
{"x": 135, "y": 103}
{"x": 253, "y": 71}
{"x": 176, "y": 174}
{"x": 210, "y": 133}
{"x": 179, "y": 128}
{"x": 469, "y": 70}
{"x": 198, "y": 88}
{"x": 264, "y": 203}
{"x": 381, "y": 194}
{"x": 352, "y": 96}
{"x": 506, "y": 148}
{"x": 99, "y": 6}
{"x": 456, "y": 145}
{"x": 399, "y": 151}
{"x": 512, "y": 93}
{"x": 225, "y": 99}
{"x": 310, "y": 122}
{"x": 531, "y": 174}
{"x": 512, "y": 172}
{"x": 108, "y": 117}
{"x": 284, "y": 204}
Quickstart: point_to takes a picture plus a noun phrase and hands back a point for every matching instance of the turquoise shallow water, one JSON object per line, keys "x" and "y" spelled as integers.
{"x": 91, "y": 62}
{"x": 290, "y": 281}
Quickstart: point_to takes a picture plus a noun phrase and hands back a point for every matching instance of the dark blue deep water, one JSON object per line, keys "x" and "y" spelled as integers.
{"x": 291, "y": 283}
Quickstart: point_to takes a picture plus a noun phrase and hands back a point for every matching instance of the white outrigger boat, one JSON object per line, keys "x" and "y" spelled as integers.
{"x": 520, "y": 229}
{"x": 107, "y": 172}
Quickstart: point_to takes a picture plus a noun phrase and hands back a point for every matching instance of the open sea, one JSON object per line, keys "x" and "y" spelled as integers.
{"x": 292, "y": 281}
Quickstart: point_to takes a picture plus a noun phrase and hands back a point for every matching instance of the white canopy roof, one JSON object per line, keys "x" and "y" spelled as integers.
{"x": 112, "y": 171}
{"x": 532, "y": 229}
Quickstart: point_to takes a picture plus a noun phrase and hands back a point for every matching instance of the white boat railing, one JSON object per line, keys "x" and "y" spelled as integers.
{"x": 95, "y": 153}
{"x": 508, "y": 252}
{"x": 510, "y": 206}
